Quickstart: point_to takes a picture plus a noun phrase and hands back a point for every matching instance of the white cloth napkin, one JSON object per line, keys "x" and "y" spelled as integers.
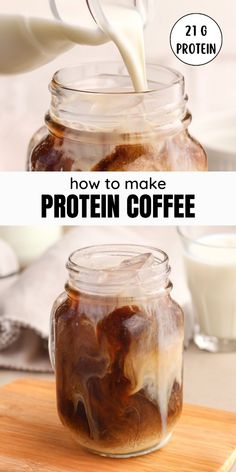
{"x": 9, "y": 270}
{"x": 9, "y": 266}
{"x": 25, "y": 306}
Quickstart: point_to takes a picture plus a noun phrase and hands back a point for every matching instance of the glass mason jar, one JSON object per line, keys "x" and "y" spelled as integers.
{"x": 97, "y": 123}
{"x": 116, "y": 344}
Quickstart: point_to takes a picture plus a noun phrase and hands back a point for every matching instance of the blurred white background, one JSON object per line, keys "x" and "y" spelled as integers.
{"x": 24, "y": 99}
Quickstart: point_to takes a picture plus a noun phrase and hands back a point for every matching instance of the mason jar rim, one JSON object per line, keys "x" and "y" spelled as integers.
{"x": 116, "y": 281}
{"x": 119, "y": 114}
{"x": 125, "y": 249}
{"x": 57, "y": 82}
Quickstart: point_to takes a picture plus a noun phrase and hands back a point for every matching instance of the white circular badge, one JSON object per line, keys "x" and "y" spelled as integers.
{"x": 196, "y": 39}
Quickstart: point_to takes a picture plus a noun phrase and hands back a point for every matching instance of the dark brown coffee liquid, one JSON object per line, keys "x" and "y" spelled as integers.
{"x": 71, "y": 150}
{"x": 99, "y": 397}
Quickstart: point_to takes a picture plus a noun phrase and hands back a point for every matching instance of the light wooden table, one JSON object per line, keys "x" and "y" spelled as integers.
{"x": 210, "y": 379}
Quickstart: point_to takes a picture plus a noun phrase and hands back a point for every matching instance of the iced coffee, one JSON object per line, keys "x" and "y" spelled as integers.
{"x": 96, "y": 122}
{"x": 117, "y": 342}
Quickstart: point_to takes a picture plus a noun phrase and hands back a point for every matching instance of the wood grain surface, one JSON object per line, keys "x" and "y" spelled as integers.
{"x": 33, "y": 440}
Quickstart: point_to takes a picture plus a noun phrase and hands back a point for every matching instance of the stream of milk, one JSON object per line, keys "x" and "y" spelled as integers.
{"x": 27, "y": 43}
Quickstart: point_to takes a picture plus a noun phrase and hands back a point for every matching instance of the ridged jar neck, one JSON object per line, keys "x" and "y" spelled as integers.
{"x": 98, "y": 98}
{"x": 125, "y": 271}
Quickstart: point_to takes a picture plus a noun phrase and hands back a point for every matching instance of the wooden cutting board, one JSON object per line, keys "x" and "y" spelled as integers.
{"x": 33, "y": 440}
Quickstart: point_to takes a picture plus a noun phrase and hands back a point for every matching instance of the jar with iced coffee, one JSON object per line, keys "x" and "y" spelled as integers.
{"x": 116, "y": 344}
{"x": 96, "y": 122}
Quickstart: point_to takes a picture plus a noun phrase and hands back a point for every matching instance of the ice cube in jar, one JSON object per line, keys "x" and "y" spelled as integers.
{"x": 118, "y": 350}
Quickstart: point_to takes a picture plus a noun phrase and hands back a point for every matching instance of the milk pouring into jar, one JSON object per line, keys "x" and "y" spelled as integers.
{"x": 113, "y": 128}
{"x": 27, "y": 43}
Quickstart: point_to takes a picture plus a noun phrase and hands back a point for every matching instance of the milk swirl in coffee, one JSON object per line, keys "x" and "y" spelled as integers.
{"x": 118, "y": 350}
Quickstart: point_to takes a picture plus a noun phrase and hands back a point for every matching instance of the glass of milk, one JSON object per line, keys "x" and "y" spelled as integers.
{"x": 210, "y": 262}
